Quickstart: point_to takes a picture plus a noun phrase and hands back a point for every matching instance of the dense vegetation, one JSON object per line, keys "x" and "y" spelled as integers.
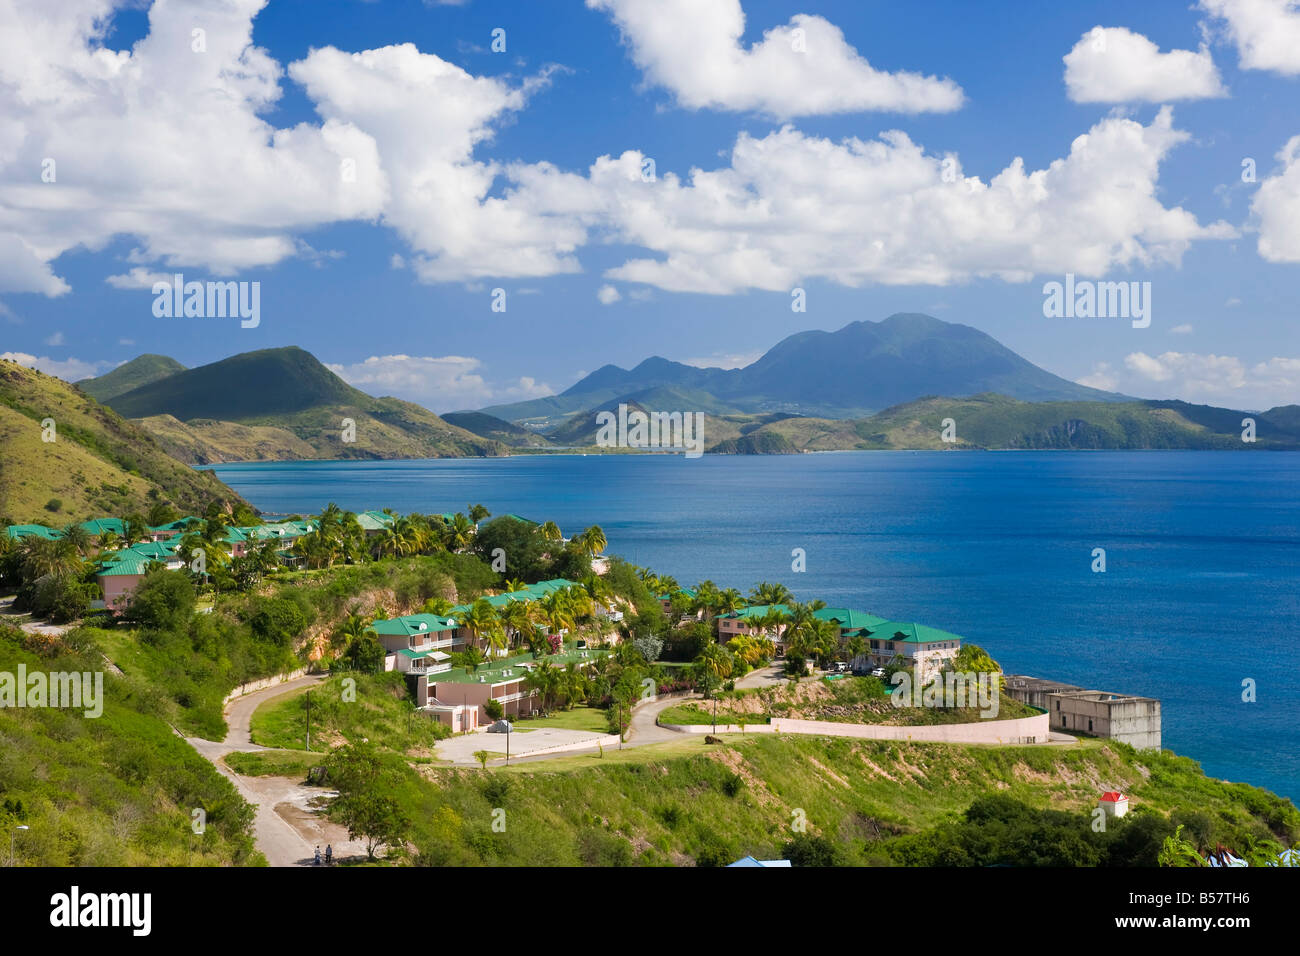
{"x": 116, "y": 790}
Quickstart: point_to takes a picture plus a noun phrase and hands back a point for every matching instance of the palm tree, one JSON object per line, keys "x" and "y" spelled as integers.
{"x": 730, "y": 600}
{"x": 543, "y": 680}
{"x": 459, "y": 532}
{"x": 482, "y": 622}
{"x": 765, "y": 593}
{"x": 714, "y": 662}
{"x": 517, "y": 616}
{"x": 78, "y": 537}
{"x": 437, "y": 605}
{"x": 42, "y": 556}
{"x": 477, "y": 513}
{"x": 514, "y": 584}
{"x": 159, "y": 513}
{"x": 550, "y": 531}
{"x": 109, "y": 541}
{"x": 593, "y": 540}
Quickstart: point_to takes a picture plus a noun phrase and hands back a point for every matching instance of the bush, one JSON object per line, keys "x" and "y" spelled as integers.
{"x": 54, "y": 504}
{"x": 163, "y": 600}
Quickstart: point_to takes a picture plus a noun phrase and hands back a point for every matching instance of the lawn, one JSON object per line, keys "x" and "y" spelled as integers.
{"x": 273, "y": 763}
{"x": 580, "y": 718}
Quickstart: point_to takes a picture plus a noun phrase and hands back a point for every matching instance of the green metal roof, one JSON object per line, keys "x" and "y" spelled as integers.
{"x": 493, "y": 672}
{"x": 908, "y": 633}
{"x": 18, "y": 531}
{"x": 849, "y": 619}
{"x": 375, "y": 520}
{"x": 97, "y": 526}
{"x": 757, "y": 610}
{"x": 409, "y": 625}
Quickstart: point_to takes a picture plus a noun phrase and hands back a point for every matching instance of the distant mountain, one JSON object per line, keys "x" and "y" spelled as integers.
{"x": 97, "y": 463}
{"x": 141, "y": 370}
{"x": 853, "y": 372}
{"x": 275, "y": 403}
{"x": 999, "y": 422}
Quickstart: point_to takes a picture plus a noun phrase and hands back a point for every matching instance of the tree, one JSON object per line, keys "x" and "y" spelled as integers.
{"x": 494, "y": 709}
{"x": 714, "y": 665}
{"x": 765, "y": 593}
{"x": 483, "y": 756}
{"x": 477, "y": 513}
{"x": 363, "y": 804}
{"x": 78, "y": 537}
{"x": 483, "y": 624}
{"x": 470, "y": 658}
{"x": 163, "y": 600}
{"x": 160, "y": 513}
{"x": 593, "y": 540}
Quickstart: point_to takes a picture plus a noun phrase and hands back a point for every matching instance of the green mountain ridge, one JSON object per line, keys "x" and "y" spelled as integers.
{"x": 282, "y": 403}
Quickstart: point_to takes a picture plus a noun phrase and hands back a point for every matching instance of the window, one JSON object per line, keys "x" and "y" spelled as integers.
{"x": 1090, "y": 724}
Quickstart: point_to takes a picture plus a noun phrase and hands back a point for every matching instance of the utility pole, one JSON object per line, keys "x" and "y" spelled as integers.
{"x": 715, "y": 715}
{"x": 309, "y": 720}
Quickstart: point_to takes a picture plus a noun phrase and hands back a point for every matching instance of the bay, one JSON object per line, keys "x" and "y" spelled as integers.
{"x": 1199, "y": 593}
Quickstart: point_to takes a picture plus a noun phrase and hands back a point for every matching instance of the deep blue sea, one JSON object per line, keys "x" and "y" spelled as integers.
{"x": 1201, "y": 589}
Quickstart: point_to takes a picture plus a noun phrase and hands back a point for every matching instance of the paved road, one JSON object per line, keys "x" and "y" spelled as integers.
{"x": 287, "y": 827}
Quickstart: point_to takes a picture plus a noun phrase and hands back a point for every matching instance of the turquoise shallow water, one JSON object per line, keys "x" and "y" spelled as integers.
{"x": 1202, "y": 553}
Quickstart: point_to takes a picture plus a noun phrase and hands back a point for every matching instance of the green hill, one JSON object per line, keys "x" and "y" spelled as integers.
{"x": 98, "y": 465}
{"x": 497, "y": 429}
{"x": 141, "y": 370}
{"x": 289, "y": 390}
{"x": 999, "y": 422}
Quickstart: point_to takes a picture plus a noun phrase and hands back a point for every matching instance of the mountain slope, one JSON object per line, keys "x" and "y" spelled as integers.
{"x": 141, "y": 370}
{"x": 853, "y": 372}
{"x": 488, "y": 426}
{"x": 98, "y": 465}
{"x": 999, "y": 422}
{"x": 289, "y": 390}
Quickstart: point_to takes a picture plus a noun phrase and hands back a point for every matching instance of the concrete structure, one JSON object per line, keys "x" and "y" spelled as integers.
{"x": 1021, "y": 730}
{"x": 1098, "y": 713}
{"x": 1034, "y": 691}
{"x": 1094, "y": 713}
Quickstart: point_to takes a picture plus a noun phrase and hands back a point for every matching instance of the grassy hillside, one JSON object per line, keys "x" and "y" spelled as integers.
{"x": 141, "y": 370}
{"x": 289, "y": 390}
{"x": 99, "y": 464}
{"x": 497, "y": 429}
{"x": 206, "y": 442}
{"x": 998, "y": 422}
{"x": 115, "y": 790}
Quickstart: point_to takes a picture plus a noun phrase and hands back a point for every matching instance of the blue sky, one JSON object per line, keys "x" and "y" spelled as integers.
{"x": 477, "y": 170}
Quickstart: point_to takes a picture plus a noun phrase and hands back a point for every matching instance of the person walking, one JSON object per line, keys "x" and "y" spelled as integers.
{"x": 329, "y": 854}
{"x": 316, "y": 860}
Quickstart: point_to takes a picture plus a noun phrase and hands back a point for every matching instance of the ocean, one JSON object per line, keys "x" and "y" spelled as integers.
{"x": 1199, "y": 598}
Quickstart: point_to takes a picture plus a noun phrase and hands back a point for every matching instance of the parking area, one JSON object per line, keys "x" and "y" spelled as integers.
{"x": 461, "y": 749}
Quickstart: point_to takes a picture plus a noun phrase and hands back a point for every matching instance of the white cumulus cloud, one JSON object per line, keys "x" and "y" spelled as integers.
{"x": 442, "y": 383}
{"x": 803, "y": 68}
{"x": 608, "y": 295}
{"x": 1276, "y": 207}
{"x": 1208, "y": 379}
{"x": 70, "y": 369}
{"x": 1115, "y": 65}
{"x": 791, "y": 207}
{"x": 1266, "y": 33}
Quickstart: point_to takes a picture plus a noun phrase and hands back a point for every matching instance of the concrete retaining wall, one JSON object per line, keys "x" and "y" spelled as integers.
{"x": 262, "y": 684}
{"x": 1023, "y": 730}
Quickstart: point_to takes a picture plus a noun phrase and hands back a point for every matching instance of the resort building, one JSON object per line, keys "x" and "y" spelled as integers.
{"x": 502, "y": 681}
{"x": 374, "y": 523}
{"x": 923, "y": 647}
{"x": 666, "y": 600}
{"x": 749, "y": 621}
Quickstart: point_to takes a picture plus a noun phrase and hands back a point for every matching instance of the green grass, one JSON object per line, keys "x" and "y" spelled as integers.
{"x": 673, "y": 803}
{"x": 378, "y": 711}
{"x": 581, "y": 717}
{"x": 117, "y": 790}
{"x": 273, "y": 763}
